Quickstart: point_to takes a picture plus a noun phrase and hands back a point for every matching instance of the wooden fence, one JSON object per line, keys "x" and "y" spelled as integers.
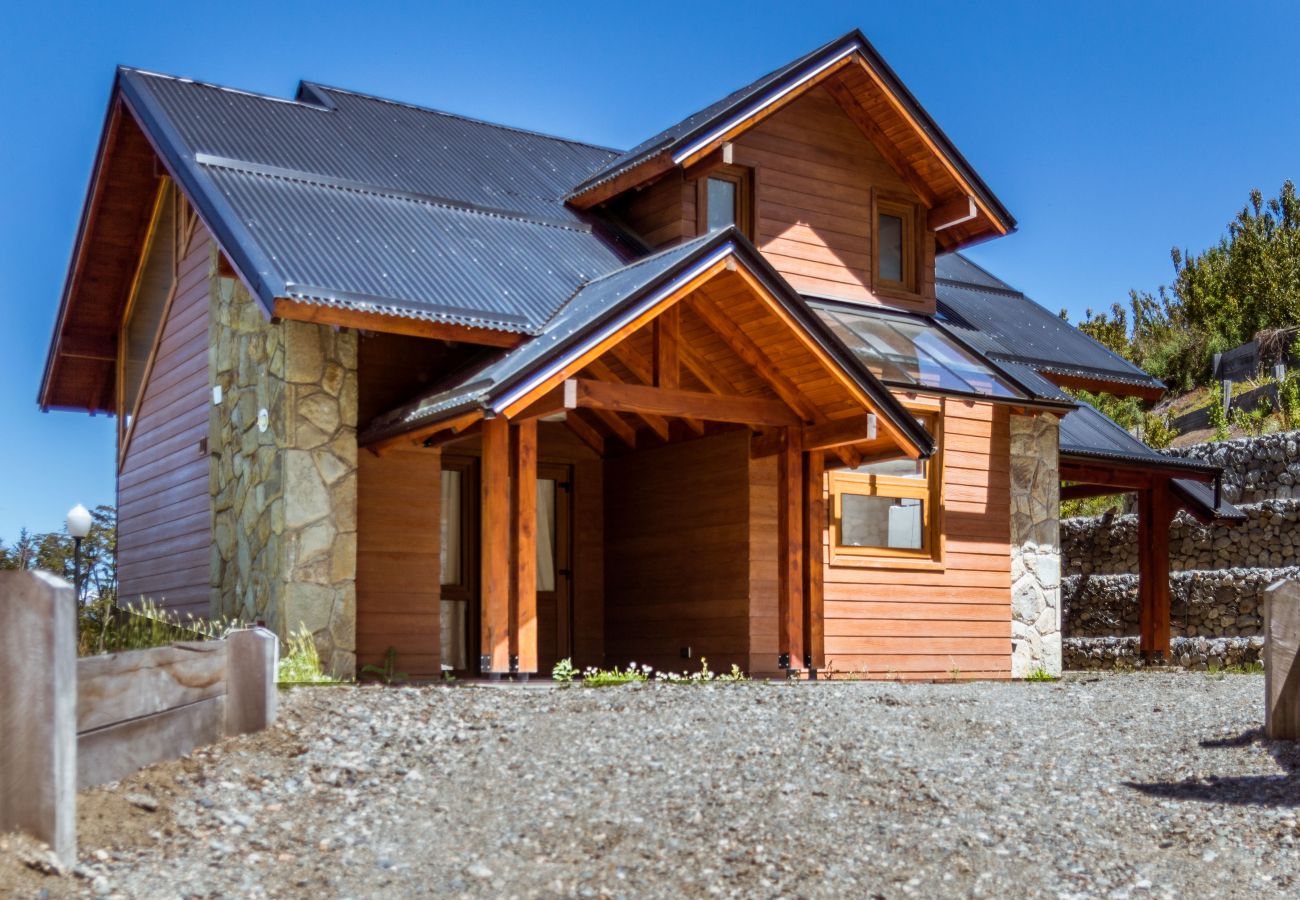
{"x": 68, "y": 723}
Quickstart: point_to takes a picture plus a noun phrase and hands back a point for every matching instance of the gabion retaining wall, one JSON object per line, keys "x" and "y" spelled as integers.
{"x": 1254, "y": 468}
{"x": 1190, "y": 653}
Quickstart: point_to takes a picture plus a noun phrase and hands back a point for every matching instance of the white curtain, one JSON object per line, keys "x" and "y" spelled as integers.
{"x": 451, "y": 524}
{"x": 545, "y": 534}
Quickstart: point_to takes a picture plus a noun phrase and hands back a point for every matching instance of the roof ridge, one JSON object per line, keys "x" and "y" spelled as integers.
{"x": 182, "y": 79}
{"x": 453, "y": 115}
{"x": 378, "y": 190}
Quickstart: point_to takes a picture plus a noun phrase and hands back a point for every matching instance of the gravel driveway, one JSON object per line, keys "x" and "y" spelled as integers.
{"x": 1153, "y": 784}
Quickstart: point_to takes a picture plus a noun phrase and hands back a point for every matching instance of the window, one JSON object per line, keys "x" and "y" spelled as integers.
{"x": 724, "y": 198}
{"x": 895, "y": 246}
{"x": 887, "y": 508}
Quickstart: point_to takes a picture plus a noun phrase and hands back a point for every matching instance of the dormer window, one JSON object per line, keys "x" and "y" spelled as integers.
{"x": 724, "y": 198}
{"x": 895, "y": 246}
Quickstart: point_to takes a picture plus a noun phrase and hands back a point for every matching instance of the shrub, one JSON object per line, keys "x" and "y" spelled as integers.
{"x": 1218, "y": 417}
{"x": 1041, "y": 674}
{"x": 299, "y": 663}
{"x": 563, "y": 671}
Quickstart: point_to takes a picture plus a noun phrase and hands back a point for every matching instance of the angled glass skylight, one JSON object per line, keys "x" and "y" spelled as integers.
{"x": 910, "y": 352}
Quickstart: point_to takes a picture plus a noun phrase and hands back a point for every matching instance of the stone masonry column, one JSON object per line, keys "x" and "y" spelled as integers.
{"x": 282, "y": 473}
{"x": 1035, "y": 545}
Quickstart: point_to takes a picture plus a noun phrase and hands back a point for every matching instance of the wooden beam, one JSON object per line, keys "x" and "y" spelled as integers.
{"x": 790, "y": 550}
{"x": 581, "y": 393}
{"x": 643, "y": 371}
{"x": 620, "y": 429}
{"x": 1099, "y": 474}
{"x": 299, "y": 311}
{"x": 417, "y": 436}
{"x": 888, "y": 149}
{"x": 743, "y": 346}
{"x": 814, "y": 531}
{"x": 602, "y": 371}
{"x": 643, "y": 172}
{"x": 953, "y": 212}
{"x": 1118, "y": 388}
{"x": 667, "y": 369}
{"x": 1154, "y": 519}
{"x": 836, "y": 432}
{"x": 523, "y": 587}
{"x": 1084, "y": 491}
{"x": 705, "y": 371}
{"x": 494, "y": 549}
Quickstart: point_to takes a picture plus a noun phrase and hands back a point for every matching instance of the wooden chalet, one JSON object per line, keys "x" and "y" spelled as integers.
{"x": 493, "y": 399}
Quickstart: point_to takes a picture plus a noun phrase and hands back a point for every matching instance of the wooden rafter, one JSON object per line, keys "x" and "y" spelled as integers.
{"x": 603, "y": 372}
{"x": 888, "y": 149}
{"x": 585, "y": 432}
{"x": 603, "y": 396}
{"x": 642, "y": 371}
{"x": 451, "y": 428}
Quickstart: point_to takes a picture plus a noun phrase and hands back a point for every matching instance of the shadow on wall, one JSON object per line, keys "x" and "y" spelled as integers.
{"x": 1281, "y": 790}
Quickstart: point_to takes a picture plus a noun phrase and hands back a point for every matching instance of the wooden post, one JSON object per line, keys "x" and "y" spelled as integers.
{"x": 790, "y": 542}
{"x": 667, "y": 370}
{"x": 494, "y": 549}
{"x": 814, "y": 524}
{"x": 523, "y": 487}
{"x": 38, "y": 710}
{"x": 1155, "y": 515}
{"x": 252, "y": 657}
{"x": 1282, "y": 661}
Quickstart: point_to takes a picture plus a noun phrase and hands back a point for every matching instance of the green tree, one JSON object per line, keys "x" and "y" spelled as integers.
{"x": 55, "y": 552}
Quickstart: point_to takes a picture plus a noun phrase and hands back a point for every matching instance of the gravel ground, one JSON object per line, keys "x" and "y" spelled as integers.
{"x": 1155, "y": 784}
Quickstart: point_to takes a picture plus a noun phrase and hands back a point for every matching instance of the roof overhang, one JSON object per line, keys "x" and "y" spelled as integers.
{"x": 963, "y": 210}
{"x": 519, "y": 387}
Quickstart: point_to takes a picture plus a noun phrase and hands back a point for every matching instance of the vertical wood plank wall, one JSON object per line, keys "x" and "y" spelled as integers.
{"x": 677, "y": 563}
{"x": 399, "y": 496}
{"x": 164, "y": 506}
{"x": 929, "y": 624}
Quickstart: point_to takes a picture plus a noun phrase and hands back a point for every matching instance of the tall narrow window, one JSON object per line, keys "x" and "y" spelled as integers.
{"x": 895, "y": 246}
{"x": 725, "y": 198}
{"x": 721, "y": 203}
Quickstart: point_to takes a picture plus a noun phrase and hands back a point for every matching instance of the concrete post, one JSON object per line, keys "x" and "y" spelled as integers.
{"x": 38, "y": 710}
{"x": 253, "y": 655}
{"x": 1281, "y": 662}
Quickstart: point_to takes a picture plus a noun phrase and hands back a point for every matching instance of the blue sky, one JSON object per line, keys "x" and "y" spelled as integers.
{"x": 1111, "y": 130}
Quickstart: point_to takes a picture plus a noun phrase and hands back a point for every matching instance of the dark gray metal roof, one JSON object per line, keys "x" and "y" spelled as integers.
{"x": 603, "y": 305}
{"x": 1087, "y": 434}
{"x": 349, "y": 200}
{"x": 1004, "y": 324}
{"x": 697, "y": 125}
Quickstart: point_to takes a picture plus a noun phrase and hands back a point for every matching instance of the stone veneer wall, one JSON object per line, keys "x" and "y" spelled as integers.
{"x": 1035, "y": 545}
{"x": 284, "y": 498}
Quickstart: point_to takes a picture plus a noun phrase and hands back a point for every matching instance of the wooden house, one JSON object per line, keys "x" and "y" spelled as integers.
{"x": 493, "y": 399}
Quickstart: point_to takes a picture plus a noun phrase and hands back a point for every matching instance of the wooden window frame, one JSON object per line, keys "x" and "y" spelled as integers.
{"x": 743, "y": 178}
{"x": 929, "y": 490}
{"x": 913, "y": 222}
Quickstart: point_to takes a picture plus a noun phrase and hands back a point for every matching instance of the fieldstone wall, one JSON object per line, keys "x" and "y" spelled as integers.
{"x": 1254, "y": 468}
{"x": 1269, "y": 538}
{"x": 283, "y": 473}
{"x": 1189, "y": 653}
{"x": 1035, "y": 546}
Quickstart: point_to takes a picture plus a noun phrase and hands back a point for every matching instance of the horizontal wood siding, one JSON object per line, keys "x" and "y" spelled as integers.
{"x": 931, "y": 624}
{"x": 764, "y": 567}
{"x": 676, "y": 544}
{"x": 398, "y": 563}
{"x": 814, "y": 175}
{"x": 164, "y": 530}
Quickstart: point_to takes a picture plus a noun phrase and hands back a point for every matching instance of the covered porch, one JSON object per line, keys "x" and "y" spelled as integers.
{"x": 687, "y": 417}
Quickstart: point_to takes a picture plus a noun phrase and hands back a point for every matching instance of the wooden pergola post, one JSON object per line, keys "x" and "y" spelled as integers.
{"x": 1155, "y": 515}
{"x": 494, "y": 549}
{"x": 523, "y": 586}
{"x": 790, "y": 549}
{"x": 814, "y": 524}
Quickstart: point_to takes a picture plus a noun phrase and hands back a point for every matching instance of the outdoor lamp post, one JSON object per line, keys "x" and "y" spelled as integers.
{"x": 79, "y": 522}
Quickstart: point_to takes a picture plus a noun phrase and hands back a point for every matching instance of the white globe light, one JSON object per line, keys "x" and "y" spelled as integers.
{"x": 79, "y": 521}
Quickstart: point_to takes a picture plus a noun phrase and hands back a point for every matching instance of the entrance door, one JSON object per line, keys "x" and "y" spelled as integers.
{"x": 460, "y": 563}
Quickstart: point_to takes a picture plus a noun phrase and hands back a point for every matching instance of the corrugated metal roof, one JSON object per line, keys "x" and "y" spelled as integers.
{"x": 355, "y": 201}
{"x": 1006, "y": 325}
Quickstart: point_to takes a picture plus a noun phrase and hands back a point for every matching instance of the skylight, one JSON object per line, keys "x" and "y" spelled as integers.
{"x": 909, "y": 352}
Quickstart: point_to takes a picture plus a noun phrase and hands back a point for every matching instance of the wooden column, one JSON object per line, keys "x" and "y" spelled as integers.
{"x": 523, "y": 588}
{"x": 790, "y": 549}
{"x": 1155, "y": 515}
{"x": 494, "y": 549}
{"x": 667, "y": 369}
{"x": 814, "y": 523}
